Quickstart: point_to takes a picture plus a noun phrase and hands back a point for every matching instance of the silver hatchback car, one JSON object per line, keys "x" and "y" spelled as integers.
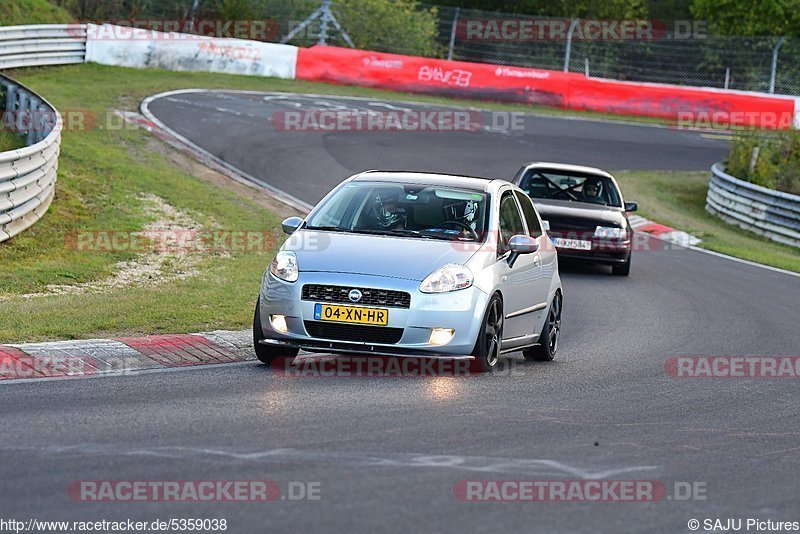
{"x": 413, "y": 264}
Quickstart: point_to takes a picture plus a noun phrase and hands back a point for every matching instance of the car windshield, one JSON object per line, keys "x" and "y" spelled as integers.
{"x": 571, "y": 186}
{"x": 406, "y": 209}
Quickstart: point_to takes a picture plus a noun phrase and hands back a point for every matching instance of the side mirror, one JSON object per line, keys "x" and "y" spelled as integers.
{"x": 290, "y": 225}
{"x": 521, "y": 244}
{"x": 631, "y": 206}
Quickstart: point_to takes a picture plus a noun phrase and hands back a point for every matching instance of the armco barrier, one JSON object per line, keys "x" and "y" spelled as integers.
{"x": 773, "y": 214}
{"x": 544, "y": 87}
{"x": 28, "y": 175}
{"x": 44, "y": 44}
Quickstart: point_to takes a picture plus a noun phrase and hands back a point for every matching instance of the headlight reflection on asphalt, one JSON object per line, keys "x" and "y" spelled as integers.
{"x": 276, "y": 401}
{"x": 442, "y": 387}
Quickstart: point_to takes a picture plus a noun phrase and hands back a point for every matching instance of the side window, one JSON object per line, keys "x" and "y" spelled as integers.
{"x": 534, "y": 230}
{"x": 510, "y": 222}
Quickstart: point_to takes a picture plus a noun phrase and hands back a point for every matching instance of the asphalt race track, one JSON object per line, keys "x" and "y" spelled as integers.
{"x": 239, "y": 128}
{"x": 388, "y": 452}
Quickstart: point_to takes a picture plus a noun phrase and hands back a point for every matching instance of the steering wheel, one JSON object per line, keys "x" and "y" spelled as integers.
{"x": 462, "y": 226}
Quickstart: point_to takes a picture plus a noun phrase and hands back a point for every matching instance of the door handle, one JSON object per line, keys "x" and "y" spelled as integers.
{"x": 535, "y": 260}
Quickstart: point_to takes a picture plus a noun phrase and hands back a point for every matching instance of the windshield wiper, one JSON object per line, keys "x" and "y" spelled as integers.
{"x": 327, "y": 228}
{"x": 396, "y": 232}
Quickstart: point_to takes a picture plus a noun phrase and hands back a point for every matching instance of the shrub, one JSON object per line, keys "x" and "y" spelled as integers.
{"x": 778, "y": 163}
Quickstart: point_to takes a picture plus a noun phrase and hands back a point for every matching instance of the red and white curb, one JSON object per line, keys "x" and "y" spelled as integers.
{"x": 665, "y": 233}
{"x": 98, "y": 357}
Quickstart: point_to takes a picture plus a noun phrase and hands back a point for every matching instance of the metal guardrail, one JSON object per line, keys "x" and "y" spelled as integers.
{"x": 773, "y": 214}
{"x": 28, "y": 175}
{"x": 43, "y": 44}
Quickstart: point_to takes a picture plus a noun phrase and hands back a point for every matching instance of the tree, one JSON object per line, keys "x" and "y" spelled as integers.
{"x": 746, "y": 17}
{"x": 400, "y": 26}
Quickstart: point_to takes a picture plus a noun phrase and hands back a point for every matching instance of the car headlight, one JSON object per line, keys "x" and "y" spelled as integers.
{"x": 450, "y": 277}
{"x": 284, "y": 266}
{"x": 610, "y": 232}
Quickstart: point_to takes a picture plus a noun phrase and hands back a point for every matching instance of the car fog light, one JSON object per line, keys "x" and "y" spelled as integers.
{"x": 278, "y": 323}
{"x": 441, "y": 336}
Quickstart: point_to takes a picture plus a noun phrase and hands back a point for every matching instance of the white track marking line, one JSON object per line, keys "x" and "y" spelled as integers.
{"x": 481, "y": 464}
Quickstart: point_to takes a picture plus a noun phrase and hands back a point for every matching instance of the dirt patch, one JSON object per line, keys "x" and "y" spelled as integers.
{"x": 162, "y": 264}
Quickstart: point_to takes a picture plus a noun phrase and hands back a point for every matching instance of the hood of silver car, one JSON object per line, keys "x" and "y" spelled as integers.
{"x": 397, "y": 257}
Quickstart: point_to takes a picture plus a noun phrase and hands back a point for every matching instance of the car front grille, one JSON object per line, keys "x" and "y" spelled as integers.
{"x": 369, "y": 296}
{"x": 354, "y": 332}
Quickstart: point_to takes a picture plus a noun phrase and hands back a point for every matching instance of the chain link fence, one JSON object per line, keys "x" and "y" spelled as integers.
{"x": 674, "y": 53}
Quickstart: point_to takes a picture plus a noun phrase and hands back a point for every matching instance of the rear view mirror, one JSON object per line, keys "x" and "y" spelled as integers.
{"x": 631, "y": 206}
{"x": 521, "y": 244}
{"x": 290, "y": 225}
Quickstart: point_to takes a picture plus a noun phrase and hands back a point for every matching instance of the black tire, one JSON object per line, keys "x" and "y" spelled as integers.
{"x": 265, "y": 353}
{"x": 546, "y": 350}
{"x": 622, "y": 269}
{"x": 487, "y": 346}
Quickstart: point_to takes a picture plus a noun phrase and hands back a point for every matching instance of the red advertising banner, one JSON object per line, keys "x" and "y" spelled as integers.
{"x": 433, "y": 76}
{"x": 688, "y": 107}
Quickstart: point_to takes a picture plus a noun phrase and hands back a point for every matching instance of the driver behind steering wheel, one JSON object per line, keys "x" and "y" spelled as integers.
{"x": 591, "y": 191}
{"x": 461, "y": 216}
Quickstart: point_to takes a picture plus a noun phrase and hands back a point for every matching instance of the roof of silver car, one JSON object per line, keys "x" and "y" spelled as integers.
{"x": 428, "y": 178}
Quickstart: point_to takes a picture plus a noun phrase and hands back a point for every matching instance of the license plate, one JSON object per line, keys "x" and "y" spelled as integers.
{"x": 577, "y": 244}
{"x": 351, "y": 314}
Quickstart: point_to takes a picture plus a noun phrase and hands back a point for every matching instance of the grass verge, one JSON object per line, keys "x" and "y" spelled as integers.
{"x": 678, "y": 199}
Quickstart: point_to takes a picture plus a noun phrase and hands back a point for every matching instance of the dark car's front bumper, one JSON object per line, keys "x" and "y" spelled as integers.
{"x": 603, "y": 251}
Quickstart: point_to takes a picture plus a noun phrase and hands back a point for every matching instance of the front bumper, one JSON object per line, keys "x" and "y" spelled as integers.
{"x": 460, "y": 310}
{"x": 604, "y": 251}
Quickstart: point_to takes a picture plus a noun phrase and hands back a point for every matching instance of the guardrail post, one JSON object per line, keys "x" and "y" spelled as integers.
{"x": 11, "y": 99}
{"x": 22, "y": 108}
{"x": 33, "y": 119}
